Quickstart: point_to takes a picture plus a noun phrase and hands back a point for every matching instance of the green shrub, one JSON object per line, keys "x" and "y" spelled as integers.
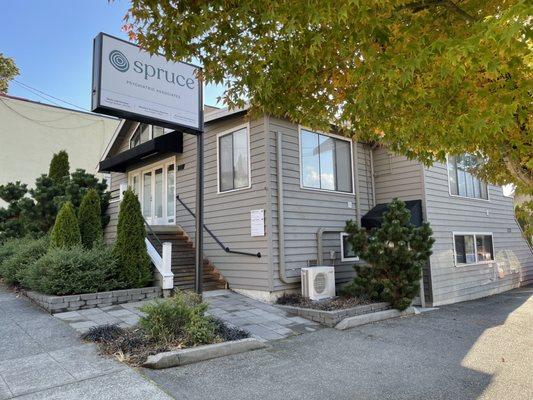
{"x": 394, "y": 253}
{"x": 178, "y": 320}
{"x": 9, "y": 247}
{"x": 89, "y": 218}
{"x": 59, "y": 166}
{"x": 130, "y": 248}
{"x": 73, "y": 270}
{"x": 66, "y": 231}
{"x": 24, "y": 253}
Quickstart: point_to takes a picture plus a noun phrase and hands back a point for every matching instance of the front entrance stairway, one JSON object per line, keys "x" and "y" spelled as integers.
{"x": 182, "y": 263}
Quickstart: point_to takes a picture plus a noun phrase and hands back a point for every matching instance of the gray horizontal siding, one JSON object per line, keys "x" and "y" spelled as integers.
{"x": 306, "y": 211}
{"x": 110, "y": 231}
{"x": 514, "y": 260}
{"x": 227, "y": 214}
{"x": 396, "y": 176}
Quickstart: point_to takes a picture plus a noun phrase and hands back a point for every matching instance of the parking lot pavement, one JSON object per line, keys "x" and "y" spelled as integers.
{"x": 480, "y": 349}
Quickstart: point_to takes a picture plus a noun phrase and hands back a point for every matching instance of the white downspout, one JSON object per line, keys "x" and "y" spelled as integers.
{"x": 281, "y": 217}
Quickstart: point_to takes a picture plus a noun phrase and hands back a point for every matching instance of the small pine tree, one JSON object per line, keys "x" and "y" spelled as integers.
{"x": 394, "y": 253}
{"x": 89, "y": 218}
{"x": 130, "y": 248}
{"x": 59, "y": 166}
{"x": 66, "y": 231}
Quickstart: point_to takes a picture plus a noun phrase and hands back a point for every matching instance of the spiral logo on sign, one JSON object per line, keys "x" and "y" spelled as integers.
{"x": 119, "y": 61}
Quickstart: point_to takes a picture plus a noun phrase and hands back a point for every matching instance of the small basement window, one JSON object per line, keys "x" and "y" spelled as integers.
{"x": 473, "y": 248}
{"x": 347, "y": 251}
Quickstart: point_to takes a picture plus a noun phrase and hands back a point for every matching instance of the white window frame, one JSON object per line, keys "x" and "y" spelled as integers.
{"x": 228, "y": 132}
{"x": 345, "y": 259}
{"x": 139, "y": 172}
{"x": 465, "y": 197}
{"x": 302, "y": 186}
{"x": 475, "y": 248}
{"x": 150, "y": 133}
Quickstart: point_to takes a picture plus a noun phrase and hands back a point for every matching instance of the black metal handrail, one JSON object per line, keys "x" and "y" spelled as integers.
{"x": 222, "y": 245}
{"x": 153, "y": 235}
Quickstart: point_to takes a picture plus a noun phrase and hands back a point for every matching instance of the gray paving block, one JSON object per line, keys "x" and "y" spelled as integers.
{"x": 121, "y": 313}
{"x": 91, "y": 312}
{"x": 69, "y": 315}
{"x": 83, "y": 325}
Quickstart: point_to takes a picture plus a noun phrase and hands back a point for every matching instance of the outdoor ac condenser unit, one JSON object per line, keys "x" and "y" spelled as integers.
{"x": 318, "y": 282}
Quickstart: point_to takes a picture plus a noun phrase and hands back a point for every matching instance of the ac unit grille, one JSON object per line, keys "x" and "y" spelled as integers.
{"x": 320, "y": 283}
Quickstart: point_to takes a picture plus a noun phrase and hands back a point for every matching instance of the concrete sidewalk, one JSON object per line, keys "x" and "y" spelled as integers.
{"x": 42, "y": 358}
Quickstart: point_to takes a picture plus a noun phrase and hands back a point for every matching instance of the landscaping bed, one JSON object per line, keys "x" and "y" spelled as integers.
{"x": 329, "y": 312}
{"x": 172, "y": 332}
{"x": 57, "y": 304}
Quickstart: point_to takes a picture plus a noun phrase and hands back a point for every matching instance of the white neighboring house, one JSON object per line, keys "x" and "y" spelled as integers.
{"x": 31, "y": 132}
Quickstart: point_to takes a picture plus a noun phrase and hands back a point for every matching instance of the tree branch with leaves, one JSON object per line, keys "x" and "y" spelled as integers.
{"x": 8, "y": 70}
{"x": 424, "y": 78}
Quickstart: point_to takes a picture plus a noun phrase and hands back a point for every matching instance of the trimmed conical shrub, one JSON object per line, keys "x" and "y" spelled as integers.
{"x": 130, "y": 248}
{"x": 59, "y": 166}
{"x": 89, "y": 218}
{"x": 394, "y": 255}
{"x": 66, "y": 231}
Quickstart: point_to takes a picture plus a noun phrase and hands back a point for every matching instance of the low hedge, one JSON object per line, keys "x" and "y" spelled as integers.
{"x": 74, "y": 270}
{"x": 18, "y": 255}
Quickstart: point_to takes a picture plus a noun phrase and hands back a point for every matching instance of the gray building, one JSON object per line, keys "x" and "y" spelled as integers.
{"x": 284, "y": 191}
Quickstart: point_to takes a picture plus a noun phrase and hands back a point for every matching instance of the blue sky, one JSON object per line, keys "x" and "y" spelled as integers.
{"x": 51, "y": 42}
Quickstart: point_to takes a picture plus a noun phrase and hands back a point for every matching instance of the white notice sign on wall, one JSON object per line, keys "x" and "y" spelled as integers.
{"x": 257, "y": 222}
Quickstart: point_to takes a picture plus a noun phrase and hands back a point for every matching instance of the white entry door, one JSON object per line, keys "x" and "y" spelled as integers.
{"x": 155, "y": 186}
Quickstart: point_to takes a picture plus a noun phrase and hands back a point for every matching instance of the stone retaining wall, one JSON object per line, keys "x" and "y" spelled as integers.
{"x": 56, "y": 304}
{"x": 332, "y": 318}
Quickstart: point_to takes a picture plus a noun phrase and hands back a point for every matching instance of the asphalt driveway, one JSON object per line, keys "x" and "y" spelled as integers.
{"x": 481, "y": 349}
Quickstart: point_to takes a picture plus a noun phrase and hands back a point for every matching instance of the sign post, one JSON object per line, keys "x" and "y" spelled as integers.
{"x": 133, "y": 84}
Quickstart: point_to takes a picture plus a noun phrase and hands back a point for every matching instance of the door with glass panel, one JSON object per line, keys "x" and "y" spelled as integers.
{"x": 155, "y": 188}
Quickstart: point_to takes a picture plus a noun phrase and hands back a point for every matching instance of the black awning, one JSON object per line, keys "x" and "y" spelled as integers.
{"x": 372, "y": 219}
{"x": 168, "y": 143}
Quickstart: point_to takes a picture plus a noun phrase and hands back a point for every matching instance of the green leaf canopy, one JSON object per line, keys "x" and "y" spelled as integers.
{"x": 424, "y": 78}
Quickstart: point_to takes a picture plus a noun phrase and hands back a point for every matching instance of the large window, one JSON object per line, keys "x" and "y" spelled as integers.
{"x": 144, "y": 133}
{"x": 462, "y": 182}
{"x": 472, "y": 248}
{"x": 233, "y": 160}
{"x": 326, "y": 162}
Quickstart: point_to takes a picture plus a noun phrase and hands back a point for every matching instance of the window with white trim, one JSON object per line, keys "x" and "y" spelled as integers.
{"x": 144, "y": 133}
{"x": 472, "y": 248}
{"x": 233, "y": 160}
{"x": 462, "y": 182}
{"x": 326, "y": 162}
{"x": 347, "y": 251}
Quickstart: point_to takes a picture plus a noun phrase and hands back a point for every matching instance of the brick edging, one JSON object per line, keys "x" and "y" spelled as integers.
{"x": 332, "y": 318}
{"x": 55, "y": 304}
